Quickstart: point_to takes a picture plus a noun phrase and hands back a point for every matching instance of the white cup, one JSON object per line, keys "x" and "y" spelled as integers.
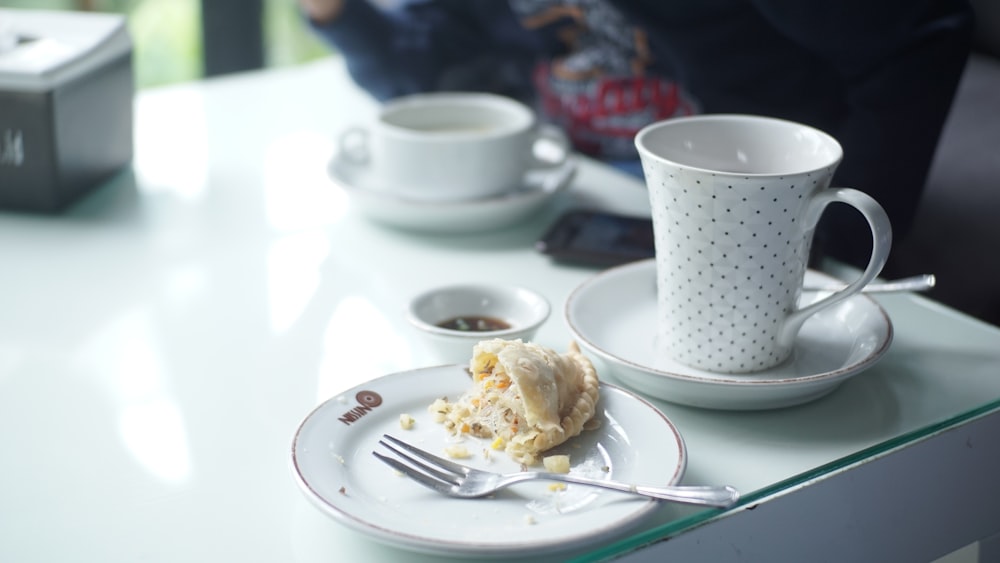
{"x": 735, "y": 200}
{"x": 452, "y": 146}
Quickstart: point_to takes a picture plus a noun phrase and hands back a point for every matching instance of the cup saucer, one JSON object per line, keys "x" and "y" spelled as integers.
{"x": 538, "y": 187}
{"x": 833, "y": 345}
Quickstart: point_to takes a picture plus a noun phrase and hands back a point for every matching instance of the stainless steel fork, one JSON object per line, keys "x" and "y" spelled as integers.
{"x": 457, "y": 480}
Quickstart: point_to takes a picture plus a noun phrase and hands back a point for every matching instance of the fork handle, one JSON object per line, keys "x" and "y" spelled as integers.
{"x": 703, "y": 495}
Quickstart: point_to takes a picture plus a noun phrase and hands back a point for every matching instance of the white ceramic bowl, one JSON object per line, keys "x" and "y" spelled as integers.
{"x": 521, "y": 309}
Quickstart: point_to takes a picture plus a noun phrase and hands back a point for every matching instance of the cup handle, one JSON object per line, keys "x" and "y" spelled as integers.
{"x": 353, "y": 145}
{"x": 881, "y": 243}
{"x": 550, "y": 147}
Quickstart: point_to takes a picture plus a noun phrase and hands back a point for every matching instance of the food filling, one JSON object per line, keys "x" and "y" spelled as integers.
{"x": 525, "y": 398}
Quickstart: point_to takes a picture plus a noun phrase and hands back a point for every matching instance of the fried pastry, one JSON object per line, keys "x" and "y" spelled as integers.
{"x": 525, "y": 397}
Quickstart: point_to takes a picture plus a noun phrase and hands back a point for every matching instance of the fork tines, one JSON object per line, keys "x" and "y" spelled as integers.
{"x": 396, "y": 445}
{"x": 425, "y": 468}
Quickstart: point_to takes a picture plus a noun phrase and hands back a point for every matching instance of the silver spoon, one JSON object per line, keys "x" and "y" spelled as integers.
{"x": 914, "y": 283}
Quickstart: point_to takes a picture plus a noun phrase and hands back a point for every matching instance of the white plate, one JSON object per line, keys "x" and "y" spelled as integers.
{"x": 613, "y": 315}
{"x": 334, "y": 467}
{"x": 464, "y": 216}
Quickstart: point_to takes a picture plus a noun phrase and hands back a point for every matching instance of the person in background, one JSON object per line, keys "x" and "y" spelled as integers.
{"x": 878, "y": 75}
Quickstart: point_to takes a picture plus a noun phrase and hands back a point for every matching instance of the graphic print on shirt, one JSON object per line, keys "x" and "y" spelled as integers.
{"x": 599, "y": 91}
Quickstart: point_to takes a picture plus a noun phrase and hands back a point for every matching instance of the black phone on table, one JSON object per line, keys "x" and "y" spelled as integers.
{"x": 598, "y": 238}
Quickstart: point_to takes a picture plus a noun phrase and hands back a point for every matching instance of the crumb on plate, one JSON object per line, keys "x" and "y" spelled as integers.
{"x": 556, "y": 463}
{"x": 457, "y": 452}
{"x": 406, "y": 421}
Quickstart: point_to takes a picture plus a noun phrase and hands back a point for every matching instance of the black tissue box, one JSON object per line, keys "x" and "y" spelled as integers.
{"x": 66, "y": 92}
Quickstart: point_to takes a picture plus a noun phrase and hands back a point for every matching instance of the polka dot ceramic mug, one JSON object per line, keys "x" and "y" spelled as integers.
{"x": 735, "y": 202}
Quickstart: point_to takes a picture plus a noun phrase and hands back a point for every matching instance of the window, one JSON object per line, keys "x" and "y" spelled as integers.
{"x": 169, "y": 45}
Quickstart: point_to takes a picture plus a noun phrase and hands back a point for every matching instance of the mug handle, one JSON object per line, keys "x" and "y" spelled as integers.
{"x": 549, "y": 139}
{"x": 881, "y": 243}
{"x": 353, "y": 145}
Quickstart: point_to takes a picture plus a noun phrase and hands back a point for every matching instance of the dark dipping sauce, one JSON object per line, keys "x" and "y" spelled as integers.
{"x": 474, "y": 324}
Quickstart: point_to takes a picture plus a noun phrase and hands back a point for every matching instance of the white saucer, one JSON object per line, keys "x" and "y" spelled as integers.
{"x": 334, "y": 467}
{"x": 540, "y": 185}
{"x": 613, "y": 315}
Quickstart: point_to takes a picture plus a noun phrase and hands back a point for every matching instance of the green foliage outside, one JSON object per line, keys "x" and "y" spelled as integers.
{"x": 167, "y": 35}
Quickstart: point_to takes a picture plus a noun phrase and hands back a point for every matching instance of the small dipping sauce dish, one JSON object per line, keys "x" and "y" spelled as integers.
{"x": 452, "y": 319}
